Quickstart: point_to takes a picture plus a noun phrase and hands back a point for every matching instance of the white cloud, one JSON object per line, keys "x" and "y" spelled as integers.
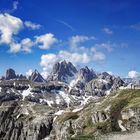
{"x": 133, "y": 74}
{"x": 9, "y": 26}
{"x": 32, "y": 25}
{"x": 45, "y": 41}
{"x": 29, "y": 72}
{"x": 97, "y": 55}
{"x": 74, "y": 57}
{"x": 75, "y": 40}
{"x": 75, "y": 54}
{"x": 15, "y": 47}
{"x": 25, "y": 46}
{"x": 107, "y": 31}
{"x": 48, "y": 60}
{"x": 15, "y": 5}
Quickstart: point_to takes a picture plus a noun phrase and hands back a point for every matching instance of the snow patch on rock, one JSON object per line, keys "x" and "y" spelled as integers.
{"x": 77, "y": 109}
{"x": 121, "y": 126}
{"x": 27, "y": 92}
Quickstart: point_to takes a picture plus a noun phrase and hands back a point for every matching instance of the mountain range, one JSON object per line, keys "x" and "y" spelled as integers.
{"x": 65, "y": 105}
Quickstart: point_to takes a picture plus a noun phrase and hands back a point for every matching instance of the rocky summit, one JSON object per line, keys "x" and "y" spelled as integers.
{"x": 36, "y": 77}
{"x": 10, "y": 74}
{"x": 63, "y": 71}
{"x": 70, "y": 104}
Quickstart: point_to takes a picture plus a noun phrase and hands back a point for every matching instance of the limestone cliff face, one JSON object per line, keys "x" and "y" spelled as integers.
{"x": 20, "y": 121}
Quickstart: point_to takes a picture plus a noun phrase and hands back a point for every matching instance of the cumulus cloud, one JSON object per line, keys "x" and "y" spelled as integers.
{"x": 133, "y": 74}
{"x": 48, "y": 60}
{"x": 9, "y": 29}
{"x": 107, "y": 31}
{"x": 9, "y": 26}
{"x": 74, "y": 57}
{"x": 14, "y": 47}
{"x": 45, "y": 41}
{"x": 75, "y": 40}
{"x": 76, "y": 54}
{"x": 29, "y": 72}
{"x": 25, "y": 46}
{"x": 32, "y": 25}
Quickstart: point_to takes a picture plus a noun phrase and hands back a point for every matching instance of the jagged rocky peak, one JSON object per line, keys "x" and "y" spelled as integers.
{"x": 10, "y": 74}
{"x": 103, "y": 75}
{"x": 86, "y": 74}
{"x": 62, "y": 71}
{"x": 36, "y": 77}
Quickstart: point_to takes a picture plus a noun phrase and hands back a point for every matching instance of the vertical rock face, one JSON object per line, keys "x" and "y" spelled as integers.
{"x": 103, "y": 83}
{"x": 18, "y": 124}
{"x": 10, "y": 74}
{"x": 36, "y": 77}
{"x": 62, "y": 71}
{"x": 86, "y": 75}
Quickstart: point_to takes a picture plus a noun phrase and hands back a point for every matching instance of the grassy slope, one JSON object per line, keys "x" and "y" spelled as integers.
{"x": 118, "y": 101}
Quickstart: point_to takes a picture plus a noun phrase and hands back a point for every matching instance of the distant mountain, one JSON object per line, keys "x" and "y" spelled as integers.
{"x": 135, "y": 81}
{"x": 38, "y": 109}
{"x": 85, "y": 74}
{"x": 36, "y": 77}
{"x": 63, "y": 71}
{"x": 10, "y": 74}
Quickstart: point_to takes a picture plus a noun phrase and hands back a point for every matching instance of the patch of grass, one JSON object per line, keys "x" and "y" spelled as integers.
{"x": 134, "y": 103}
{"x": 39, "y": 108}
{"x": 104, "y": 127}
{"x": 88, "y": 127}
{"x": 67, "y": 116}
{"x": 83, "y": 137}
{"x": 125, "y": 99}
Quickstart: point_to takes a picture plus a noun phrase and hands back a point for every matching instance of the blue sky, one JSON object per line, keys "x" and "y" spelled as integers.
{"x": 103, "y": 34}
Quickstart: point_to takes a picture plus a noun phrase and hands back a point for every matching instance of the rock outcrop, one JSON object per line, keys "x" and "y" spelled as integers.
{"x": 10, "y": 74}
{"x": 36, "y": 77}
{"x": 86, "y": 75}
{"x": 22, "y": 122}
{"x": 62, "y": 71}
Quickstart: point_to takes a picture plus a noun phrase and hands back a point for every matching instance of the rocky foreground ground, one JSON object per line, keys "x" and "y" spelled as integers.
{"x": 118, "y": 112}
{"x": 70, "y": 104}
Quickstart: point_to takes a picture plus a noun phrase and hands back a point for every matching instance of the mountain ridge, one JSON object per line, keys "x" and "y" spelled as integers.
{"x": 39, "y": 109}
